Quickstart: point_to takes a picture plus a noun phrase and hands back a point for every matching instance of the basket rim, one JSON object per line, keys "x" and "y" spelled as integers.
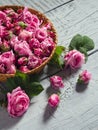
{"x": 47, "y": 21}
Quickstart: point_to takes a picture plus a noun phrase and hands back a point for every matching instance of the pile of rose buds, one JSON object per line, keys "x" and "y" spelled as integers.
{"x": 25, "y": 43}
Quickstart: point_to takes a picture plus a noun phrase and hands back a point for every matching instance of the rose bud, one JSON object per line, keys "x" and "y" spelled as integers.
{"x": 84, "y": 77}
{"x": 54, "y": 100}
{"x": 56, "y": 82}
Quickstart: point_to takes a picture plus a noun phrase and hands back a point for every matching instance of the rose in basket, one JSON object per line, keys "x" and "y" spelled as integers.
{"x": 27, "y": 40}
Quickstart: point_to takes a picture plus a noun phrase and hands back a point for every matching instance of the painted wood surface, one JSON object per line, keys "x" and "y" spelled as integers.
{"x": 78, "y": 109}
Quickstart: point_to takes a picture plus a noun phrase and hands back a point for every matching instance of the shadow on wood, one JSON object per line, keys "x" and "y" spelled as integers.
{"x": 49, "y": 112}
{"x": 81, "y": 87}
{"x": 7, "y": 122}
{"x": 51, "y": 91}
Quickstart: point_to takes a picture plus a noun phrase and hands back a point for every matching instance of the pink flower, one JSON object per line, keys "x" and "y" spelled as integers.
{"x": 34, "y": 43}
{"x": 11, "y": 70}
{"x": 4, "y": 46}
{"x": 22, "y": 48}
{"x": 3, "y": 32}
{"x": 22, "y": 61}
{"x": 25, "y": 35}
{"x": 30, "y": 18}
{"x": 2, "y": 15}
{"x": 84, "y": 77}
{"x": 6, "y": 62}
{"x": 47, "y": 46}
{"x": 38, "y": 52}
{"x": 54, "y": 100}
{"x": 8, "y": 55}
{"x": 14, "y": 40}
{"x": 74, "y": 59}
{"x": 56, "y": 82}
{"x": 34, "y": 62}
{"x": 18, "y": 102}
{"x": 41, "y": 34}
{"x": 24, "y": 69}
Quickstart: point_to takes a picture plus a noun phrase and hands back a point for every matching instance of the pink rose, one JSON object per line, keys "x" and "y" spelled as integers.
{"x": 22, "y": 61}
{"x": 2, "y": 16}
{"x": 74, "y": 59}
{"x": 6, "y": 61}
{"x": 14, "y": 40}
{"x": 34, "y": 43}
{"x": 3, "y": 31}
{"x": 4, "y": 46}
{"x": 56, "y": 82}
{"x": 11, "y": 70}
{"x": 18, "y": 102}
{"x": 24, "y": 69}
{"x": 9, "y": 55}
{"x": 54, "y": 100}
{"x": 30, "y": 18}
{"x": 38, "y": 52}
{"x": 84, "y": 77}
{"x": 41, "y": 34}
{"x": 25, "y": 35}
{"x": 34, "y": 62}
{"x": 22, "y": 48}
{"x": 47, "y": 46}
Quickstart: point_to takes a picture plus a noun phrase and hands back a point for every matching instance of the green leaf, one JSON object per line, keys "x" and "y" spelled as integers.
{"x": 22, "y": 24}
{"x": 57, "y": 59}
{"x": 34, "y": 78}
{"x": 76, "y": 42}
{"x": 83, "y": 50}
{"x": 88, "y": 43}
{"x": 34, "y": 89}
{"x": 79, "y": 41}
{"x": 59, "y": 50}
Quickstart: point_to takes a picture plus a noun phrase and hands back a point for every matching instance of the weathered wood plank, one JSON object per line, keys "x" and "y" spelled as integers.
{"x": 76, "y": 17}
{"x": 42, "y": 5}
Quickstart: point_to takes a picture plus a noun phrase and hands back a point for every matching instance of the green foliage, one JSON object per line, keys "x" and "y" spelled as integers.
{"x": 57, "y": 59}
{"x": 82, "y": 44}
{"x": 31, "y": 86}
{"x": 34, "y": 89}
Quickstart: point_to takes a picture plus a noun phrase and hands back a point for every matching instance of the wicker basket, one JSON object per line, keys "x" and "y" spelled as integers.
{"x": 41, "y": 16}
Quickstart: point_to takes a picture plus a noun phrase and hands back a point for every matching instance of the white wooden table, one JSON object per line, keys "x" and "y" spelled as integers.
{"x": 77, "y": 110}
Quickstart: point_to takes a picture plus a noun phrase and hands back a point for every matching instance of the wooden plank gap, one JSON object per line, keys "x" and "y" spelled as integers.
{"x": 58, "y": 6}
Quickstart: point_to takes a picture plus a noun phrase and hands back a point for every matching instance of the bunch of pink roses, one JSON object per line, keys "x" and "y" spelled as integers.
{"x": 25, "y": 43}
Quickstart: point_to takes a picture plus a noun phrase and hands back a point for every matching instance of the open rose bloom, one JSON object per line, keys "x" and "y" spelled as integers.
{"x": 25, "y": 40}
{"x": 74, "y": 59}
{"x": 84, "y": 77}
{"x": 18, "y": 102}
